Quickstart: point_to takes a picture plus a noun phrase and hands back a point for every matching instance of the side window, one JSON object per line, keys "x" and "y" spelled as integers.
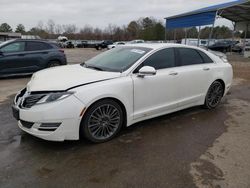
{"x": 14, "y": 47}
{"x": 189, "y": 56}
{"x": 36, "y": 46}
{"x": 161, "y": 59}
{"x": 205, "y": 57}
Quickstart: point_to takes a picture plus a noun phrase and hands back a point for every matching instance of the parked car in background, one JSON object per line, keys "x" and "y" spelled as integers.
{"x": 118, "y": 88}
{"x": 27, "y": 56}
{"x": 103, "y": 44}
{"x": 115, "y": 45}
{"x": 225, "y": 46}
{"x": 69, "y": 44}
{"x": 136, "y": 41}
{"x": 82, "y": 44}
{"x": 91, "y": 43}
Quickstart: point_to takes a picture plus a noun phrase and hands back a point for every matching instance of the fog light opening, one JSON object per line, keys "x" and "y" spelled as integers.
{"x": 49, "y": 126}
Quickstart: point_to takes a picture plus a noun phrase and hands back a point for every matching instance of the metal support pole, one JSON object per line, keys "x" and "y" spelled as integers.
{"x": 185, "y": 36}
{"x": 174, "y": 35}
{"x": 166, "y": 31}
{"x": 210, "y": 36}
{"x": 166, "y": 34}
{"x": 198, "y": 44}
{"x": 245, "y": 41}
{"x": 234, "y": 25}
{"x": 212, "y": 30}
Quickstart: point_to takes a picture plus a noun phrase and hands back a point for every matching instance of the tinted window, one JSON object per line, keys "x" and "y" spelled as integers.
{"x": 205, "y": 57}
{"x": 36, "y": 46}
{"x": 189, "y": 57}
{"x": 14, "y": 47}
{"x": 161, "y": 59}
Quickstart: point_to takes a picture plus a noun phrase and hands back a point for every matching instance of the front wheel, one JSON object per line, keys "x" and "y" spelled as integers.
{"x": 102, "y": 121}
{"x": 214, "y": 95}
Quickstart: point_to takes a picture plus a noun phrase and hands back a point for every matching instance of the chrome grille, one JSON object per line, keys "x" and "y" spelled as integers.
{"x": 31, "y": 100}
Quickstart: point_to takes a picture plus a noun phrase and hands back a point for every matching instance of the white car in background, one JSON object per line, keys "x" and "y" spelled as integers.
{"x": 136, "y": 41}
{"x": 118, "y": 88}
{"x": 115, "y": 45}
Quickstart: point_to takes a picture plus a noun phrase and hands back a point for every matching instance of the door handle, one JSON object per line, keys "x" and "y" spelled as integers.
{"x": 173, "y": 73}
{"x": 206, "y": 69}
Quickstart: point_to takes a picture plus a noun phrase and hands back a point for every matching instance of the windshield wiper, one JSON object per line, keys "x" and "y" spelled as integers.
{"x": 93, "y": 67}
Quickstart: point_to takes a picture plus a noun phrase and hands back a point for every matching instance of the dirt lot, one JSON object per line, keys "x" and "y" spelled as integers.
{"x": 191, "y": 148}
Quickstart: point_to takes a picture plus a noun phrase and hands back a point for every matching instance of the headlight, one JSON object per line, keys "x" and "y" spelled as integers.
{"x": 51, "y": 97}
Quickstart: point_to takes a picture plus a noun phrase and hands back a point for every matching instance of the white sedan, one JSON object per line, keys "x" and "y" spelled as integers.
{"x": 118, "y": 88}
{"x": 111, "y": 46}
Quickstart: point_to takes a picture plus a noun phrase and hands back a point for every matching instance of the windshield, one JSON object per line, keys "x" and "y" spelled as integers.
{"x": 6, "y": 42}
{"x": 116, "y": 60}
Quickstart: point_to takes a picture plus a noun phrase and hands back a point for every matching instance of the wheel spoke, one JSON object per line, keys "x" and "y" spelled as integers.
{"x": 104, "y": 121}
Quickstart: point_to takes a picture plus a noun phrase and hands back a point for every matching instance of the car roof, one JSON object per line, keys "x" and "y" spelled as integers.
{"x": 156, "y": 46}
{"x": 32, "y": 40}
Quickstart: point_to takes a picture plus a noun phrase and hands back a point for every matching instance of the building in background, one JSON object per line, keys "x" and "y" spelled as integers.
{"x": 7, "y": 36}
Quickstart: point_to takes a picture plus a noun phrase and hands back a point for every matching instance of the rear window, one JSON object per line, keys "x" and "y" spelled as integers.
{"x": 36, "y": 46}
{"x": 189, "y": 56}
{"x": 205, "y": 57}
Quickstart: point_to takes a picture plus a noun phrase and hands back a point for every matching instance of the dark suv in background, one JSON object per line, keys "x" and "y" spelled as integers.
{"x": 103, "y": 44}
{"x": 226, "y": 46}
{"x": 19, "y": 57}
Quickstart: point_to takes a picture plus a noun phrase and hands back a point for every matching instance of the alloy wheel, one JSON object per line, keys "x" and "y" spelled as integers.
{"x": 215, "y": 94}
{"x": 104, "y": 122}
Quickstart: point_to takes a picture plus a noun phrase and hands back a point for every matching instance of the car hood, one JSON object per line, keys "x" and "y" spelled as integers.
{"x": 66, "y": 77}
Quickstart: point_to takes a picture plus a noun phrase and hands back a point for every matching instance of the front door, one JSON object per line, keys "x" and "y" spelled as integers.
{"x": 13, "y": 58}
{"x": 156, "y": 94}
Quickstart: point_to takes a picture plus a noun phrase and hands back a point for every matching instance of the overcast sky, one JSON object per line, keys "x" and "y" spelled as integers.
{"x": 98, "y": 13}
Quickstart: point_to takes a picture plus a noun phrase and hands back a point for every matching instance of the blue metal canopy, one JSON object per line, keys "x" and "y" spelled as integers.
{"x": 237, "y": 11}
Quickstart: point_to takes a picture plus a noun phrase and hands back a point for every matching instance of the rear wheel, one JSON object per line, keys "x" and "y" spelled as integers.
{"x": 214, "y": 95}
{"x": 54, "y": 64}
{"x": 102, "y": 121}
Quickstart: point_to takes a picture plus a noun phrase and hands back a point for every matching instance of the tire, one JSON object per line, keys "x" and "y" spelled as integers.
{"x": 102, "y": 121}
{"x": 214, "y": 95}
{"x": 53, "y": 64}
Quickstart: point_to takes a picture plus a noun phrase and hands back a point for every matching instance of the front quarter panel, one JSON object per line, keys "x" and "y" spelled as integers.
{"x": 117, "y": 88}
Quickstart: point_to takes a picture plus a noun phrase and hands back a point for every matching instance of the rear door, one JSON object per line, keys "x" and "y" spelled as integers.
{"x": 37, "y": 55}
{"x": 194, "y": 76}
{"x": 13, "y": 58}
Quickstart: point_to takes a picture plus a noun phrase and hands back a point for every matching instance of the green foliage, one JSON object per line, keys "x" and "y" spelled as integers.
{"x": 192, "y": 32}
{"x": 146, "y": 29}
{"x": 39, "y": 32}
{"x": 20, "y": 29}
{"x": 4, "y": 27}
{"x": 222, "y": 32}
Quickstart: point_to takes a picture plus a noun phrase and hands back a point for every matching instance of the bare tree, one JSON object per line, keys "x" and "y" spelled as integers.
{"x": 50, "y": 26}
{"x": 40, "y": 25}
{"x": 58, "y": 29}
{"x": 69, "y": 28}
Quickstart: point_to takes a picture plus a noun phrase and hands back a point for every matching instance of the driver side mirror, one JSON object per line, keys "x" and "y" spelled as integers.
{"x": 147, "y": 71}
